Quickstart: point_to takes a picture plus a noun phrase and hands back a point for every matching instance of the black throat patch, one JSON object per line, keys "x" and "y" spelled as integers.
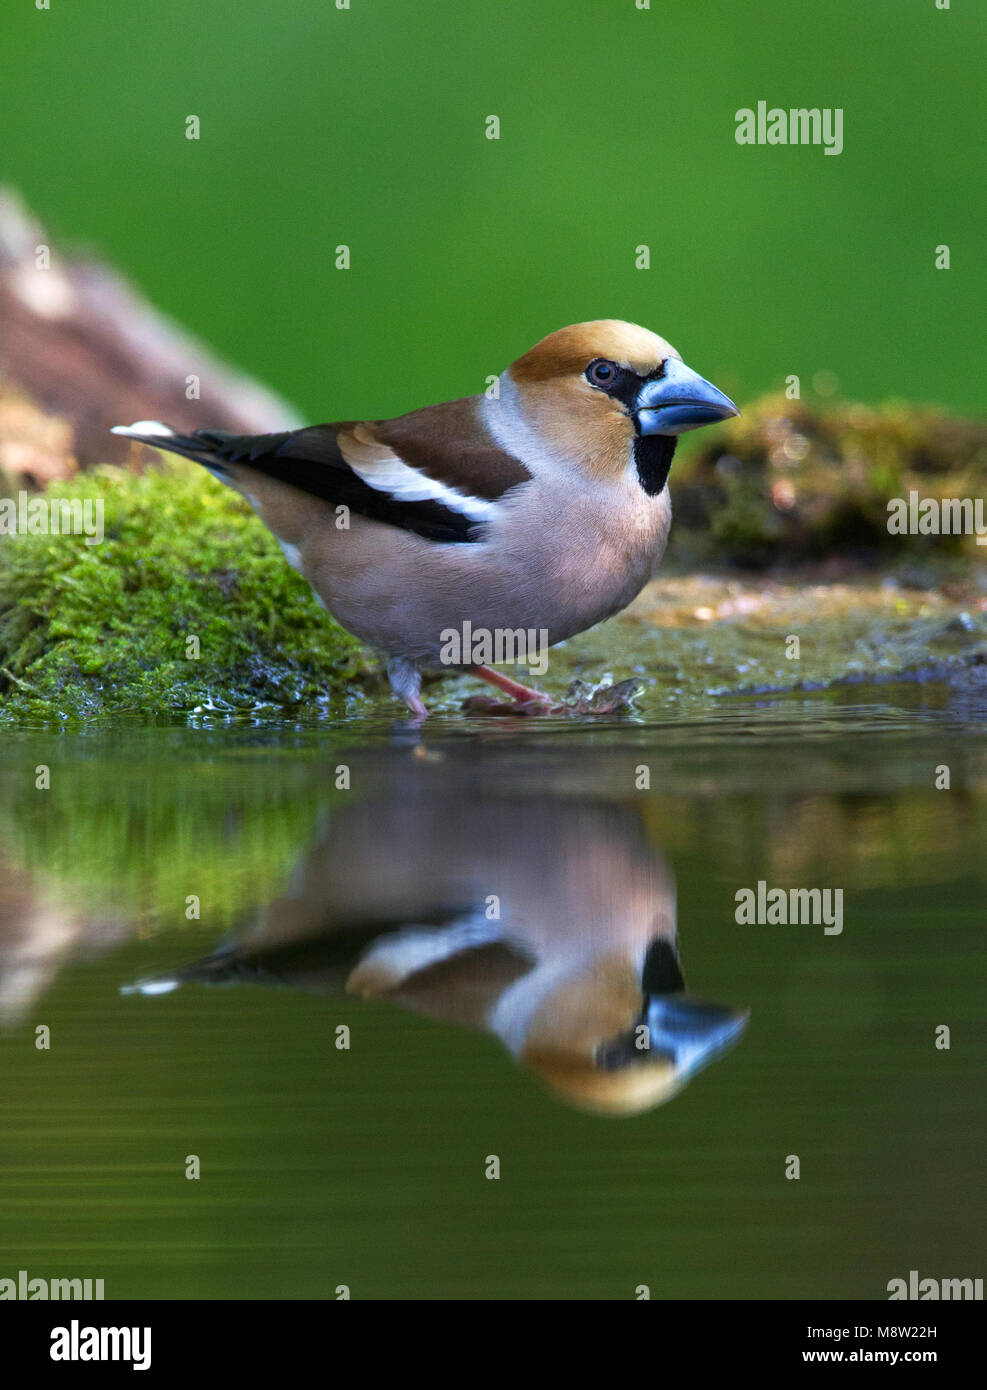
{"x": 652, "y": 452}
{"x": 653, "y": 456}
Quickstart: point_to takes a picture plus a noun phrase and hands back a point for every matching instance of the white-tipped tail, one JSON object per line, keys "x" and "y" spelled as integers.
{"x": 144, "y": 427}
{"x": 149, "y": 987}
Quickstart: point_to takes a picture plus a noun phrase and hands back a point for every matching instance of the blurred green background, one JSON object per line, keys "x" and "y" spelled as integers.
{"x": 366, "y": 127}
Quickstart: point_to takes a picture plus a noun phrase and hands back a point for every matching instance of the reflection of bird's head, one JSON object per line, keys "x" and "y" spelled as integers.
{"x": 604, "y": 1041}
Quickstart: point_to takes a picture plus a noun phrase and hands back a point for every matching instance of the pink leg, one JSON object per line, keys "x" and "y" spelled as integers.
{"x": 522, "y": 694}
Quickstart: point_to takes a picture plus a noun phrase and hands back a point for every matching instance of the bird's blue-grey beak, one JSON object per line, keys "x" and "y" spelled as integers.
{"x": 680, "y": 400}
{"x": 690, "y": 1033}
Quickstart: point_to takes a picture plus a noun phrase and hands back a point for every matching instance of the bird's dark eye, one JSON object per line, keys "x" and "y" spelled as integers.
{"x": 601, "y": 372}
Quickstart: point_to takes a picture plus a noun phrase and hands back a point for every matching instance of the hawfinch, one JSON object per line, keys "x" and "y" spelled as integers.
{"x": 576, "y": 974}
{"x": 540, "y": 508}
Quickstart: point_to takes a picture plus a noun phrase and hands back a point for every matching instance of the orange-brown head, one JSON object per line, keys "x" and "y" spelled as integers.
{"x": 591, "y": 392}
{"x": 602, "y": 1048}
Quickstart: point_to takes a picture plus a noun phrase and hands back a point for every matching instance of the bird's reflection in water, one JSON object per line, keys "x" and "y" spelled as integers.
{"x": 549, "y": 922}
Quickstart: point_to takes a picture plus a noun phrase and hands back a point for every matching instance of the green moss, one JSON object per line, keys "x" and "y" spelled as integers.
{"x": 105, "y": 628}
{"x": 129, "y": 808}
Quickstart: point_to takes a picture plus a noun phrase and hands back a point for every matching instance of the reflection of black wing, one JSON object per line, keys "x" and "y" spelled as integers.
{"x": 321, "y": 963}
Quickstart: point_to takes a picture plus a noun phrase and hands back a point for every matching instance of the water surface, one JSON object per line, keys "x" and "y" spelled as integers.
{"x": 489, "y": 912}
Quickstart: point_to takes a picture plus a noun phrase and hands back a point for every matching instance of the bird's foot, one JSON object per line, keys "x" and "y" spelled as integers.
{"x": 580, "y": 699}
{"x": 521, "y": 695}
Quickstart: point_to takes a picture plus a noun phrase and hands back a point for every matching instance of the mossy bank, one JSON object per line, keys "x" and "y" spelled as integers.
{"x": 185, "y": 603}
{"x": 796, "y": 481}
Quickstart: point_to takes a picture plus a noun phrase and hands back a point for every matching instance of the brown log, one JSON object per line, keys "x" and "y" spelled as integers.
{"x": 81, "y": 343}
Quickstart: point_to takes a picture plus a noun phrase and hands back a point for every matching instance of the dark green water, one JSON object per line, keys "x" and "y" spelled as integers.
{"x": 365, "y": 1166}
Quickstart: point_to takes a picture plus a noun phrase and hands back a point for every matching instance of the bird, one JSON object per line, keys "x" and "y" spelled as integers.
{"x": 546, "y": 922}
{"x": 523, "y": 515}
